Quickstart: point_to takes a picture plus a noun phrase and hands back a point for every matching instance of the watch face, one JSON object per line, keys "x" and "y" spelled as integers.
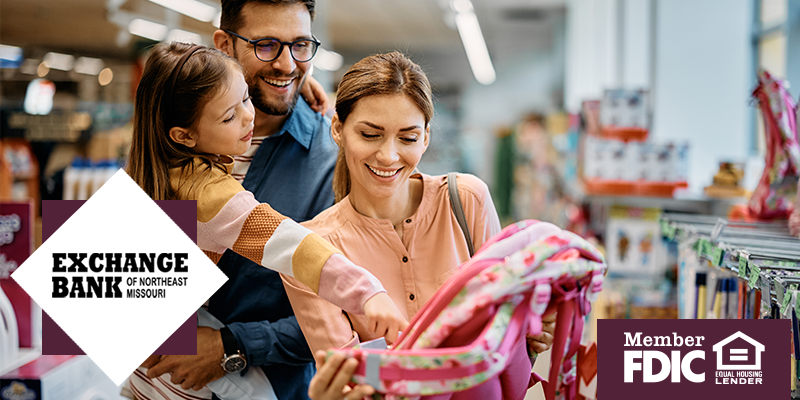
{"x": 235, "y": 363}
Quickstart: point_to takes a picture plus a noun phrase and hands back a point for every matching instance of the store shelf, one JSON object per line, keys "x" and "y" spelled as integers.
{"x": 24, "y": 356}
{"x": 681, "y": 202}
{"x": 752, "y": 250}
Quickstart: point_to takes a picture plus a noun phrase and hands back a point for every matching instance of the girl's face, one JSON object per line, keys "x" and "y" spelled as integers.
{"x": 226, "y": 124}
{"x": 383, "y": 139}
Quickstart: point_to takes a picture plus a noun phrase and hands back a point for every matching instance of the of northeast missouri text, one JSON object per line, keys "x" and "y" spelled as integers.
{"x": 100, "y": 285}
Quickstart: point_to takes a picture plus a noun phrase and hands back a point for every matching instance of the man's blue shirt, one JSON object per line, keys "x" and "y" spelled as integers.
{"x": 292, "y": 171}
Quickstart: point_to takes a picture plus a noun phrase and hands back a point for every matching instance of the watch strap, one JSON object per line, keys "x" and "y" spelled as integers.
{"x": 229, "y": 343}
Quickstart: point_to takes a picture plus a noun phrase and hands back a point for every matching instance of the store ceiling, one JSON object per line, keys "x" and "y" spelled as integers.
{"x": 83, "y": 28}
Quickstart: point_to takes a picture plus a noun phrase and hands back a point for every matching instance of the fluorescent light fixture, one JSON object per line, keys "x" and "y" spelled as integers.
{"x": 217, "y": 21}
{"x": 470, "y": 31}
{"x": 191, "y": 8}
{"x": 29, "y": 66}
{"x": 179, "y": 35}
{"x": 147, "y": 29}
{"x": 88, "y": 65}
{"x": 10, "y": 53}
{"x": 328, "y": 60}
{"x": 63, "y": 62}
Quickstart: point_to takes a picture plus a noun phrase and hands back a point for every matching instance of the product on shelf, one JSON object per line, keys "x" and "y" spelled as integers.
{"x": 726, "y": 181}
{"x": 19, "y": 172}
{"x": 623, "y": 115}
{"x": 613, "y": 167}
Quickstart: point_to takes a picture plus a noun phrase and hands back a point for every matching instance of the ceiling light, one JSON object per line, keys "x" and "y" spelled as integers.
{"x": 478, "y": 55}
{"x": 29, "y": 66}
{"x": 105, "y": 76}
{"x": 10, "y": 56}
{"x": 179, "y": 35}
{"x": 63, "y": 62}
{"x": 88, "y": 65}
{"x": 460, "y": 6}
{"x": 217, "y": 21}
{"x": 147, "y": 29}
{"x": 328, "y": 60}
{"x": 42, "y": 69}
{"x": 192, "y": 8}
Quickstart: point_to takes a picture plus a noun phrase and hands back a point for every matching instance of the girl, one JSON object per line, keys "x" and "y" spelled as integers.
{"x": 192, "y": 111}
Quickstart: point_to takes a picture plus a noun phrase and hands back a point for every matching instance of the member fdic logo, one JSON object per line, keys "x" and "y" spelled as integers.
{"x": 693, "y": 358}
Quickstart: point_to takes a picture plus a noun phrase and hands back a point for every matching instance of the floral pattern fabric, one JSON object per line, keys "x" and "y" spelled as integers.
{"x": 537, "y": 256}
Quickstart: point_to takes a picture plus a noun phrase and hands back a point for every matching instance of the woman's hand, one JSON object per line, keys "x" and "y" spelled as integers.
{"x": 315, "y": 95}
{"x": 542, "y": 342}
{"x": 383, "y": 317}
{"x": 330, "y": 382}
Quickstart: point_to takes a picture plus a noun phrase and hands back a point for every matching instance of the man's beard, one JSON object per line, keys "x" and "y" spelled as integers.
{"x": 272, "y": 107}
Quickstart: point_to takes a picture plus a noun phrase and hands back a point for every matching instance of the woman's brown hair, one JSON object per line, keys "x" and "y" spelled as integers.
{"x": 153, "y": 152}
{"x": 380, "y": 74}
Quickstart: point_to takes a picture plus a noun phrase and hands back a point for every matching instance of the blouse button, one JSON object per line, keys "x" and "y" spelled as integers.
{"x": 405, "y": 259}
{"x": 411, "y": 296}
{"x": 408, "y": 221}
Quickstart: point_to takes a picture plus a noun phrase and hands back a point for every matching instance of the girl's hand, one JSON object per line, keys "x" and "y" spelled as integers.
{"x": 315, "y": 95}
{"x": 330, "y": 382}
{"x": 384, "y": 319}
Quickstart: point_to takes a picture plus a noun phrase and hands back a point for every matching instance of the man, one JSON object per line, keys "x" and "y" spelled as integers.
{"x": 289, "y": 166}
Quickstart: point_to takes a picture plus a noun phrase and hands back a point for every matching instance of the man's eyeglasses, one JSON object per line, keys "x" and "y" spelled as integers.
{"x": 269, "y": 49}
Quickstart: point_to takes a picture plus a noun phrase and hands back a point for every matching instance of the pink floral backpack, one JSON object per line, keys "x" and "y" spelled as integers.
{"x": 468, "y": 339}
{"x": 776, "y": 191}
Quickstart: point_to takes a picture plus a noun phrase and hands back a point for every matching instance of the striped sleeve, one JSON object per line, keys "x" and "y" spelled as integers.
{"x": 266, "y": 237}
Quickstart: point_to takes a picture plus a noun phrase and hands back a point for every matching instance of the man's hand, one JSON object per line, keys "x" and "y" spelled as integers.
{"x": 384, "y": 319}
{"x": 330, "y": 382}
{"x": 315, "y": 95}
{"x": 542, "y": 342}
{"x": 193, "y": 372}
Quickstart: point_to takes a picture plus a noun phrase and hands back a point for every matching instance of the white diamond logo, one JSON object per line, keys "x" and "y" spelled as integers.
{"x": 118, "y": 333}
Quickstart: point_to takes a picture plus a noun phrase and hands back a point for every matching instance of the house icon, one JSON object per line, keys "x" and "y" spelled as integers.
{"x": 727, "y": 353}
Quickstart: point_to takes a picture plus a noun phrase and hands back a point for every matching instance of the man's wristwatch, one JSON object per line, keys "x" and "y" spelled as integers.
{"x": 233, "y": 360}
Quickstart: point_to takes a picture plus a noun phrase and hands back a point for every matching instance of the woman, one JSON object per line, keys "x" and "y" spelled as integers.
{"x": 389, "y": 217}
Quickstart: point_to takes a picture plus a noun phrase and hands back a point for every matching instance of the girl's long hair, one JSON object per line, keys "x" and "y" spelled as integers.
{"x": 153, "y": 153}
{"x": 380, "y": 74}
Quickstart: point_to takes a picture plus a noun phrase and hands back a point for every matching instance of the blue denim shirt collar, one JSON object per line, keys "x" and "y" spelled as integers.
{"x": 301, "y": 123}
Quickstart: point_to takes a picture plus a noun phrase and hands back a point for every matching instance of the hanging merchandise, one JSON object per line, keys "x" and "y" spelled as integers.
{"x": 777, "y": 189}
{"x": 472, "y": 331}
{"x": 794, "y": 219}
{"x": 744, "y": 270}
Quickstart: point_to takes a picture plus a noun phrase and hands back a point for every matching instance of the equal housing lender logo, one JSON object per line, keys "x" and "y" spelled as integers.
{"x": 693, "y": 359}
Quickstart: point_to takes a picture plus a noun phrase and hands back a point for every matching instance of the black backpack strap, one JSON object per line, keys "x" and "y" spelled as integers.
{"x": 458, "y": 210}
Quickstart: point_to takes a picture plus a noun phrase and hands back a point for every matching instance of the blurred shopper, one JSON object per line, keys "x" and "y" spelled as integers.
{"x": 390, "y": 218}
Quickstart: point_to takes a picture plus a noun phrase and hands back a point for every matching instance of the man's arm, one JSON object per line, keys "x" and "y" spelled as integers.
{"x": 267, "y": 343}
{"x": 264, "y": 343}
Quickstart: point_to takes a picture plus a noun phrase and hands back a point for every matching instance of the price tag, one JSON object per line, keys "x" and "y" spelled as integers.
{"x": 796, "y": 301}
{"x": 780, "y": 292}
{"x": 754, "y": 273}
{"x": 787, "y": 298}
{"x": 764, "y": 285}
{"x": 742, "y": 267}
{"x": 717, "y": 258}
